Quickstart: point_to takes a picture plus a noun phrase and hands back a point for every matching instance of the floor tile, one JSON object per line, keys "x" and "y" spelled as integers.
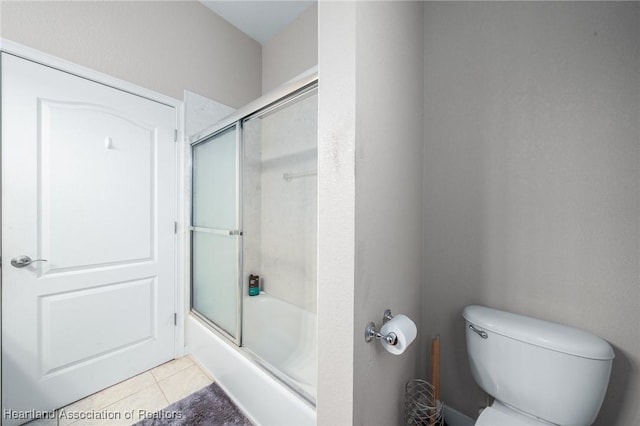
{"x": 170, "y": 368}
{"x": 108, "y": 396}
{"x": 126, "y": 403}
{"x": 131, "y": 409}
{"x": 43, "y": 422}
{"x": 184, "y": 383}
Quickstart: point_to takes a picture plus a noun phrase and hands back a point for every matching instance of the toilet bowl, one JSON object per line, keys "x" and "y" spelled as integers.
{"x": 538, "y": 372}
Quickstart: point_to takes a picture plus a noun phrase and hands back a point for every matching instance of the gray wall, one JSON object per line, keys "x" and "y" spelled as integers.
{"x": 163, "y": 46}
{"x": 531, "y": 185}
{"x": 388, "y": 226}
{"x": 292, "y": 51}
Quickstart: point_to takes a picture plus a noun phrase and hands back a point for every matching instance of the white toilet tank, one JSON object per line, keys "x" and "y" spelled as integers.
{"x": 556, "y": 373}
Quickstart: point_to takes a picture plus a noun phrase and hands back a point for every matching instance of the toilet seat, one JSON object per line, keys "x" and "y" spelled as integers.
{"x": 500, "y": 415}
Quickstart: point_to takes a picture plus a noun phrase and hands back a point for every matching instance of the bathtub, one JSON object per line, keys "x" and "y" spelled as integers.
{"x": 247, "y": 374}
{"x": 282, "y": 338}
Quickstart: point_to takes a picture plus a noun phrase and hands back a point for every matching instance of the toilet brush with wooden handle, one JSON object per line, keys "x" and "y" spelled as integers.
{"x": 435, "y": 374}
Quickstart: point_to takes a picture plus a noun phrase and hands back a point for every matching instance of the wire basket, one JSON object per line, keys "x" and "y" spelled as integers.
{"x": 420, "y": 405}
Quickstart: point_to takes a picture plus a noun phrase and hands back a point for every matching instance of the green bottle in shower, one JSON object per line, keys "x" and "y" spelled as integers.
{"x": 254, "y": 285}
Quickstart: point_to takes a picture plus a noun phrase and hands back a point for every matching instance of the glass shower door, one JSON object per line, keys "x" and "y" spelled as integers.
{"x": 280, "y": 160}
{"x": 216, "y": 232}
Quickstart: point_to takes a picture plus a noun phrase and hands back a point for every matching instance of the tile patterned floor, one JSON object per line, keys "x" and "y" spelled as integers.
{"x": 150, "y": 391}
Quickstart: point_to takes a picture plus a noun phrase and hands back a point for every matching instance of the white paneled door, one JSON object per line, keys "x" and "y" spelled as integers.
{"x": 88, "y": 194}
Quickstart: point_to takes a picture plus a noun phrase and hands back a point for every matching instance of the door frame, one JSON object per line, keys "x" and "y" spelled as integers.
{"x": 51, "y": 61}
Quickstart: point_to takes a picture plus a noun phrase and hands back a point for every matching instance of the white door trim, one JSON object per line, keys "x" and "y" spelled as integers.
{"x": 43, "y": 58}
{"x": 179, "y": 215}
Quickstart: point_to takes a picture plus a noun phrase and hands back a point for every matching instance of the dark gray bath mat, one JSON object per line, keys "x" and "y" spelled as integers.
{"x": 209, "y": 406}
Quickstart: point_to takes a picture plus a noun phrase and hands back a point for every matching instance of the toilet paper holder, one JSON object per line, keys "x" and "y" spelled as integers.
{"x": 371, "y": 333}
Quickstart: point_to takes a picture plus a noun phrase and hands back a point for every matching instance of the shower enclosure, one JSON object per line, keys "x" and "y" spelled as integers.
{"x": 254, "y": 219}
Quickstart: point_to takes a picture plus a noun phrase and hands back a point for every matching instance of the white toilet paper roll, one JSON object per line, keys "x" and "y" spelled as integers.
{"x": 405, "y": 330}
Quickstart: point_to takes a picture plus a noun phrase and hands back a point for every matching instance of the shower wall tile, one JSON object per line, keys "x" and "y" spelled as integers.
{"x": 252, "y": 202}
{"x": 202, "y": 112}
{"x": 289, "y": 207}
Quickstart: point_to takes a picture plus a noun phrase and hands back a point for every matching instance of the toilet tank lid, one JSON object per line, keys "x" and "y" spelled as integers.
{"x": 545, "y": 334}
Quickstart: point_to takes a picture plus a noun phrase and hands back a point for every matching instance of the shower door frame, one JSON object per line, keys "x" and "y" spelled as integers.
{"x": 277, "y": 98}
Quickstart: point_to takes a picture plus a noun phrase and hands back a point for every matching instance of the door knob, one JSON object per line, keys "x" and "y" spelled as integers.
{"x": 23, "y": 260}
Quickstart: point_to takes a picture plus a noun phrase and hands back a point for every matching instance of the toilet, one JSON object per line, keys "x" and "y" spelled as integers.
{"x": 538, "y": 372}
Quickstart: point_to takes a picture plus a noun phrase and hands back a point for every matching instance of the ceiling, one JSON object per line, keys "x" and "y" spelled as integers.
{"x": 260, "y": 20}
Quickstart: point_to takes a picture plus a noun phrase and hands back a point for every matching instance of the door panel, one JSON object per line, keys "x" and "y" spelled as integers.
{"x": 67, "y": 342}
{"x": 114, "y": 181}
{"x": 88, "y": 183}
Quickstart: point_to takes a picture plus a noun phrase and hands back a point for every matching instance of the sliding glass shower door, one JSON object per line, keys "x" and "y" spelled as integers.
{"x": 254, "y": 232}
{"x": 216, "y": 231}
